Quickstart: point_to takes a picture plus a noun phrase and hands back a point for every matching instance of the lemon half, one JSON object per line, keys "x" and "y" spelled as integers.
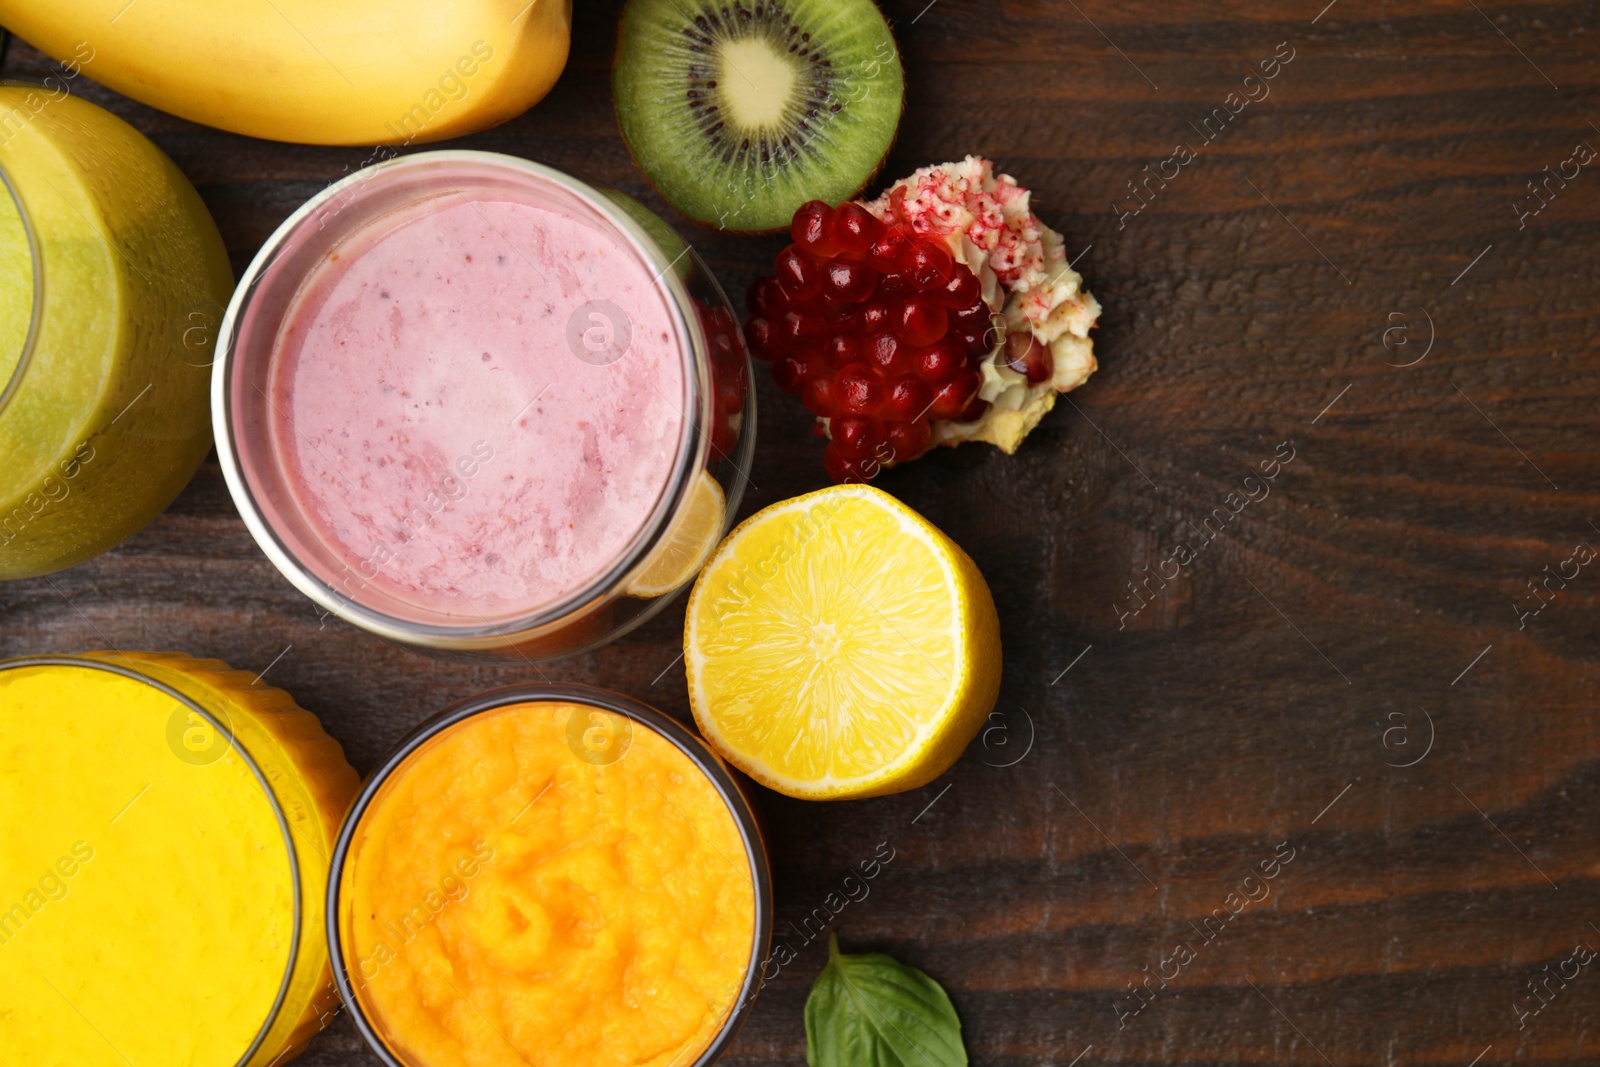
{"x": 838, "y": 645}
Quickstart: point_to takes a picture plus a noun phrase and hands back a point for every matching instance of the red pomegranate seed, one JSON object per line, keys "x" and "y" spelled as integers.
{"x": 976, "y": 327}
{"x": 907, "y": 399}
{"x": 1029, "y": 357}
{"x": 888, "y": 356}
{"x": 844, "y": 350}
{"x": 767, "y": 298}
{"x": 809, "y": 229}
{"x": 875, "y": 316}
{"x": 961, "y": 290}
{"x": 907, "y": 440}
{"x": 887, "y": 251}
{"x": 858, "y": 390}
{"x": 841, "y": 468}
{"x": 790, "y": 373}
{"x": 848, "y": 282}
{"x": 856, "y": 435}
{"x": 940, "y": 362}
{"x": 854, "y": 229}
{"x": 975, "y": 316}
{"x": 798, "y": 325}
{"x": 930, "y": 265}
{"x": 919, "y": 320}
{"x": 892, "y": 287}
{"x": 799, "y": 277}
{"x": 818, "y": 397}
{"x": 763, "y": 338}
{"x": 953, "y": 396}
{"x": 976, "y": 342}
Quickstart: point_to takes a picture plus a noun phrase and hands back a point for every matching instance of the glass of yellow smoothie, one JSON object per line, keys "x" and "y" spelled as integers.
{"x": 549, "y": 874}
{"x": 113, "y": 279}
{"x": 163, "y": 863}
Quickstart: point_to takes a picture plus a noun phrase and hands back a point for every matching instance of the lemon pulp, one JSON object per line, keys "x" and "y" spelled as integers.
{"x": 839, "y": 645}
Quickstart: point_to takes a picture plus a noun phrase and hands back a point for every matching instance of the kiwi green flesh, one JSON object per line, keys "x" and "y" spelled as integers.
{"x": 739, "y": 111}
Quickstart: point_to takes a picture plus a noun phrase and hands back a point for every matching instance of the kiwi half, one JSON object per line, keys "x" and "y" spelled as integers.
{"x": 739, "y": 111}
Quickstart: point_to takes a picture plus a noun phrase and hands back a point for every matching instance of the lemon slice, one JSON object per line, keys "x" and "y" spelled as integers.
{"x": 838, "y": 645}
{"x": 692, "y": 538}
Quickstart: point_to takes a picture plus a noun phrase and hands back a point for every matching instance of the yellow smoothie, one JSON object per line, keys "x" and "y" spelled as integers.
{"x": 506, "y": 900}
{"x": 148, "y": 889}
{"x": 106, "y": 415}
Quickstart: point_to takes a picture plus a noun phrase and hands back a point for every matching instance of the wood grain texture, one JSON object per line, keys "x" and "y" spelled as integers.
{"x": 1155, "y": 761}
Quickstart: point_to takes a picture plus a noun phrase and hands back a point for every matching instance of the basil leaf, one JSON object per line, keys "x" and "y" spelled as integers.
{"x": 872, "y": 1010}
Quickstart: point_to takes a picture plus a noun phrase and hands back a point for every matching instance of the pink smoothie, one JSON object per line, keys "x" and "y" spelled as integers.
{"x": 452, "y": 413}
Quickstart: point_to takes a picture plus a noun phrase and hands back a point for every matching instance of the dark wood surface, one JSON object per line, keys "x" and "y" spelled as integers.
{"x": 1247, "y": 705}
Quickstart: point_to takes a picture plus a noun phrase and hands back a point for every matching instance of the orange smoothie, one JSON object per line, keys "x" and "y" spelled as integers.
{"x": 509, "y": 896}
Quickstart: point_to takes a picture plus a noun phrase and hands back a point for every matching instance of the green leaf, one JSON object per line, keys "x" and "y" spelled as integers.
{"x": 874, "y": 1011}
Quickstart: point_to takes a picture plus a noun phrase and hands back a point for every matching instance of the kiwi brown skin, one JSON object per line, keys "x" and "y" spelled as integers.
{"x": 894, "y": 137}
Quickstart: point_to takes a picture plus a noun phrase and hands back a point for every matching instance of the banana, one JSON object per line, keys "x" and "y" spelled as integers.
{"x": 313, "y": 71}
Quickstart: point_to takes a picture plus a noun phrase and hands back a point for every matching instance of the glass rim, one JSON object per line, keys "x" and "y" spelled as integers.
{"x": 36, "y": 261}
{"x": 234, "y": 745}
{"x": 694, "y": 439}
{"x": 679, "y": 736}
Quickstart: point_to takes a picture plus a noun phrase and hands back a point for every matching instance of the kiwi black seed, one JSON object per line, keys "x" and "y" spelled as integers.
{"x": 739, "y": 111}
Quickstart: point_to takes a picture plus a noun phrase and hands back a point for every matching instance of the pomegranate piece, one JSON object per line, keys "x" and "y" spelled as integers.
{"x": 876, "y": 328}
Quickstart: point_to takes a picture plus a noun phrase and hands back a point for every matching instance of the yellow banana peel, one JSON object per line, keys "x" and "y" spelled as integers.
{"x": 313, "y": 71}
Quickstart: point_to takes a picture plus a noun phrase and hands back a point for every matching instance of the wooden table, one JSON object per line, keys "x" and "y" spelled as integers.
{"x": 1343, "y": 668}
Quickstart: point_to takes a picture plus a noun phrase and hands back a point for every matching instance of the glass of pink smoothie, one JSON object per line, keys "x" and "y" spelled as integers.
{"x": 471, "y": 403}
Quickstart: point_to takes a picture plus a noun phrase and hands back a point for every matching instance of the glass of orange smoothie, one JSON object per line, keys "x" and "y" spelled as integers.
{"x": 549, "y": 874}
{"x": 471, "y": 403}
